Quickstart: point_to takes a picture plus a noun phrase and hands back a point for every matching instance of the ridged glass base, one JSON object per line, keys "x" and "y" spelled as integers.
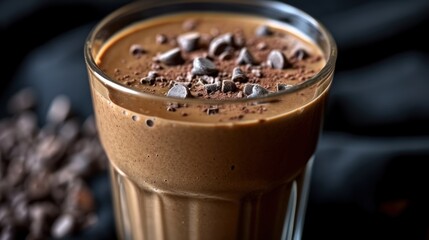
{"x": 154, "y": 214}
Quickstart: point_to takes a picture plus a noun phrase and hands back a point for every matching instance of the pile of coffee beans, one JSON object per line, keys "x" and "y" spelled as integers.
{"x": 45, "y": 170}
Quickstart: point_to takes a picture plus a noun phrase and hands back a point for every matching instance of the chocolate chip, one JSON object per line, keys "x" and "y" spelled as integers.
{"x": 239, "y": 41}
{"x": 189, "y": 41}
{"x": 226, "y": 55}
{"x": 206, "y": 79}
{"x": 277, "y": 60}
{"x": 248, "y": 88}
{"x": 228, "y": 86}
{"x": 212, "y": 110}
{"x": 301, "y": 54}
{"x": 213, "y": 87}
{"x": 161, "y": 39}
{"x": 282, "y": 87}
{"x": 137, "y": 50}
{"x": 203, "y": 66}
{"x": 245, "y": 57}
{"x": 263, "y": 31}
{"x": 262, "y": 46}
{"x": 189, "y": 24}
{"x": 257, "y": 72}
{"x": 63, "y": 226}
{"x": 150, "y": 78}
{"x": 258, "y": 91}
{"x": 178, "y": 91}
{"x": 219, "y": 44}
{"x": 238, "y": 75}
{"x": 171, "y": 57}
{"x": 59, "y": 109}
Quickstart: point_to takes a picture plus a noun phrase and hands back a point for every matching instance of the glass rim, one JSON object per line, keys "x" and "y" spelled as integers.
{"x": 136, "y": 6}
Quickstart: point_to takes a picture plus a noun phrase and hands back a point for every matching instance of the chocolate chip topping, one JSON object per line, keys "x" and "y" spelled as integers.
{"x": 189, "y": 41}
{"x": 282, "y": 87}
{"x": 137, "y": 50}
{"x": 277, "y": 60}
{"x": 161, "y": 38}
{"x": 228, "y": 86}
{"x": 238, "y": 75}
{"x": 189, "y": 24}
{"x": 219, "y": 44}
{"x": 219, "y": 62}
{"x": 245, "y": 57}
{"x": 203, "y": 66}
{"x": 171, "y": 57}
{"x": 150, "y": 78}
{"x": 301, "y": 54}
{"x": 178, "y": 91}
{"x": 212, "y": 87}
{"x": 248, "y": 88}
{"x": 263, "y": 31}
{"x": 258, "y": 91}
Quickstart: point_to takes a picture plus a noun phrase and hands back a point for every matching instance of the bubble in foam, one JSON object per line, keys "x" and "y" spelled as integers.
{"x": 150, "y": 122}
{"x": 135, "y": 118}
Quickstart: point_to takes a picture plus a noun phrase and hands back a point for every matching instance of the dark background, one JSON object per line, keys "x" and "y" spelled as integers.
{"x": 370, "y": 177}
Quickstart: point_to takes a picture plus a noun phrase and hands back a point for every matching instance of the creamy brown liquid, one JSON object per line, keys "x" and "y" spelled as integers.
{"x": 199, "y": 176}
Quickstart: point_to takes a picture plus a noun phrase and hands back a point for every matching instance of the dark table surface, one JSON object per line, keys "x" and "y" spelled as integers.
{"x": 370, "y": 177}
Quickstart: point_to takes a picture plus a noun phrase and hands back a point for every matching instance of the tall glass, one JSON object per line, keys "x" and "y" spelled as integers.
{"x": 202, "y": 177}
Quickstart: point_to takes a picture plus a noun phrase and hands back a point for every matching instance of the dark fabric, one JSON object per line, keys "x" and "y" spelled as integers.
{"x": 370, "y": 176}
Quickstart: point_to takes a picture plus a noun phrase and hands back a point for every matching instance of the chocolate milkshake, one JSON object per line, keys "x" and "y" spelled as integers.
{"x": 208, "y": 120}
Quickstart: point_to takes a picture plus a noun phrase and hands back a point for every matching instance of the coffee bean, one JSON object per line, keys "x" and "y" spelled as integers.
{"x": 137, "y": 50}
{"x": 40, "y": 168}
{"x": 7, "y": 233}
{"x": 258, "y": 91}
{"x": 59, "y": 109}
{"x": 189, "y": 42}
{"x": 5, "y": 215}
{"x": 228, "y": 86}
{"x": 203, "y": 66}
{"x": 49, "y": 150}
{"x": 15, "y": 173}
{"x": 79, "y": 165}
{"x": 245, "y": 57}
{"x": 277, "y": 60}
{"x": 26, "y": 125}
{"x": 282, "y": 87}
{"x": 161, "y": 39}
{"x": 80, "y": 198}
{"x": 301, "y": 54}
{"x": 213, "y": 87}
{"x": 69, "y": 131}
{"x": 38, "y": 187}
{"x": 178, "y": 91}
{"x": 24, "y": 100}
{"x": 263, "y": 31}
{"x": 238, "y": 75}
{"x": 21, "y": 213}
{"x": 219, "y": 44}
{"x": 63, "y": 226}
{"x": 171, "y": 57}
